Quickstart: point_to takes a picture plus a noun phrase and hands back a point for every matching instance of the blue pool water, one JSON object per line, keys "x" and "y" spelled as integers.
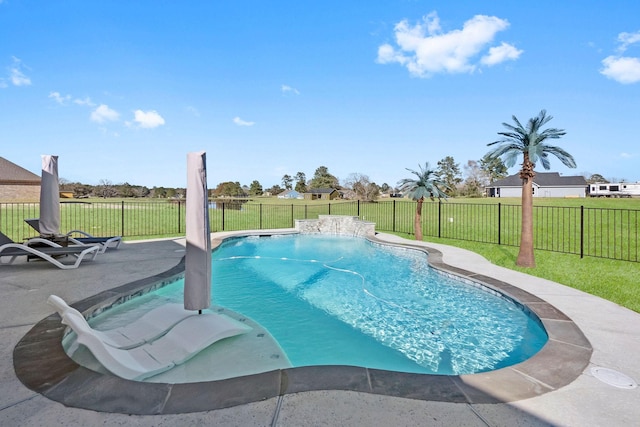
{"x": 331, "y": 300}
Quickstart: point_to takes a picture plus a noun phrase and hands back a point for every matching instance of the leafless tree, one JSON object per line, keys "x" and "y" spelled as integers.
{"x": 358, "y": 187}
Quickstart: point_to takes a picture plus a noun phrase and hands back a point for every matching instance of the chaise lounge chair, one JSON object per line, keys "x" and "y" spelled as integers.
{"x": 46, "y": 251}
{"x": 181, "y": 343}
{"x": 86, "y": 239}
{"x": 151, "y": 326}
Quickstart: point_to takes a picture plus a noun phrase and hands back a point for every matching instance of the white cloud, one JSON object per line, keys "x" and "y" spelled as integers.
{"x": 104, "y": 114}
{"x": 425, "y": 50}
{"x": 627, "y": 39}
{"x": 240, "y": 122}
{"x": 148, "y": 119}
{"x": 288, "y": 89}
{"x": 86, "y": 101}
{"x": 62, "y": 100}
{"x": 66, "y": 99}
{"x": 500, "y": 54}
{"x": 622, "y": 69}
{"x": 15, "y": 75}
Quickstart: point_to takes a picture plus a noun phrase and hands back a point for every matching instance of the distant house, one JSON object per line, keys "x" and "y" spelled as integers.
{"x": 17, "y": 183}
{"x": 321, "y": 194}
{"x": 290, "y": 194}
{"x": 545, "y": 184}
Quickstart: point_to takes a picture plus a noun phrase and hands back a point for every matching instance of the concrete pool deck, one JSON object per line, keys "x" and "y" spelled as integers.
{"x": 612, "y": 331}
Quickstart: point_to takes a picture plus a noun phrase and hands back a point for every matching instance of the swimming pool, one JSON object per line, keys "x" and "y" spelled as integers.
{"x": 334, "y": 300}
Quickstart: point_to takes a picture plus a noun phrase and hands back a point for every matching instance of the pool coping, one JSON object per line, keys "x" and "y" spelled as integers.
{"x": 42, "y": 365}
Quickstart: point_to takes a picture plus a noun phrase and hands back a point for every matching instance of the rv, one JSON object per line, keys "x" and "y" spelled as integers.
{"x": 619, "y": 189}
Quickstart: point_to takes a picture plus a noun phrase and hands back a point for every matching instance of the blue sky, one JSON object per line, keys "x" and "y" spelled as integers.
{"x": 122, "y": 91}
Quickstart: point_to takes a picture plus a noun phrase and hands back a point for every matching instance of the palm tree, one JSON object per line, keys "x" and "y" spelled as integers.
{"x": 531, "y": 143}
{"x": 426, "y": 184}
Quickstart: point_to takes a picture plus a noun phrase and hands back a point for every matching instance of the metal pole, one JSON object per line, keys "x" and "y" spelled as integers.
{"x": 393, "y": 225}
{"x": 179, "y": 228}
{"x": 439, "y": 218}
{"x": 499, "y": 223}
{"x": 122, "y": 216}
{"x": 581, "y": 231}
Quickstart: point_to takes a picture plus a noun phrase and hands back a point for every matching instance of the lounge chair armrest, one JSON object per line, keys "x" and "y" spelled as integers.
{"x": 84, "y": 233}
{"x": 44, "y": 241}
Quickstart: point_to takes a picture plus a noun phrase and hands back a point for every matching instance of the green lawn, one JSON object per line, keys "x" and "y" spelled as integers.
{"x": 612, "y": 280}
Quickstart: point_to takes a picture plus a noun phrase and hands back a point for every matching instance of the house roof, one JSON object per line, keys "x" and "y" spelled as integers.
{"x": 10, "y": 173}
{"x": 321, "y": 190}
{"x": 542, "y": 179}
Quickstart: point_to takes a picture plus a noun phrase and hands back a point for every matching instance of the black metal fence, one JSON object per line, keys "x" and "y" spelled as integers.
{"x": 594, "y": 232}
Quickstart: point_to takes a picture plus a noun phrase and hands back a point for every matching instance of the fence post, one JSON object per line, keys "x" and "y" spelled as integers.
{"x": 179, "y": 229}
{"x": 581, "y": 231}
{"x": 393, "y": 225}
{"x": 499, "y": 223}
{"x": 260, "y": 228}
{"x": 329, "y": 208}
{"x": 439, "y": 218}
{"x": 358, "y": 208}
{"x": 292, "y": 220}
{"x": 122, "y": 217}
{"x": 222, "y": 216}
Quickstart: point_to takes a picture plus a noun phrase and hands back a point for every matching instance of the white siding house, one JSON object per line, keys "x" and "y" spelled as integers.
{"x": 545, "y": 184}
{"x": 290, "y": 194}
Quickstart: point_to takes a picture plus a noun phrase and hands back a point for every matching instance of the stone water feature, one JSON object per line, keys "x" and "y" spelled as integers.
{"x": 339, "y": 225}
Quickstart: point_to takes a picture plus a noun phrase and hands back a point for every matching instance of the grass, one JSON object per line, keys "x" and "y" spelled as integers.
{"x": 616, "y": 281}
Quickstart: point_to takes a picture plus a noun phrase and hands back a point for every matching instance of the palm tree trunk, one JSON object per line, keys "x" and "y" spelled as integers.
{"x": 417, "y": 224}
{"x": 525, "y": 255}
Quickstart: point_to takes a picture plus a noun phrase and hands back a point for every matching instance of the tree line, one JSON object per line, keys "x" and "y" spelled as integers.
{"x": 466, "y": 181}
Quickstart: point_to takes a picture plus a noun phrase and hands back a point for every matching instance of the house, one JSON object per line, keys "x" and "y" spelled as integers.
{"x": 545, "y": 184}
{"x": 321, "y": 194}
{"x": 290, "y": 194}
{"x": 17, "y": 183}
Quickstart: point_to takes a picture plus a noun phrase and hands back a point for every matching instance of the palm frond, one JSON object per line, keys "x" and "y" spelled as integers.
{"x": 544, "y": 159}
{"x": 518, "y": 140}
{"x": 426, "y": 184}
{"x": 566, "y": 158}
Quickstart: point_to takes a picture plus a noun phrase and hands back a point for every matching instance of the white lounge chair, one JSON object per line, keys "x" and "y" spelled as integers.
{"x": 152, "y": 325}
{"x": 84, "y": 239}
{"x": 182, "y": 342}
{"x": 47, "y": 251}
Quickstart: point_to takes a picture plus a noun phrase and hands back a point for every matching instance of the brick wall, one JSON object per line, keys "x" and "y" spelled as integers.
{"x": 19, "y": 193}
